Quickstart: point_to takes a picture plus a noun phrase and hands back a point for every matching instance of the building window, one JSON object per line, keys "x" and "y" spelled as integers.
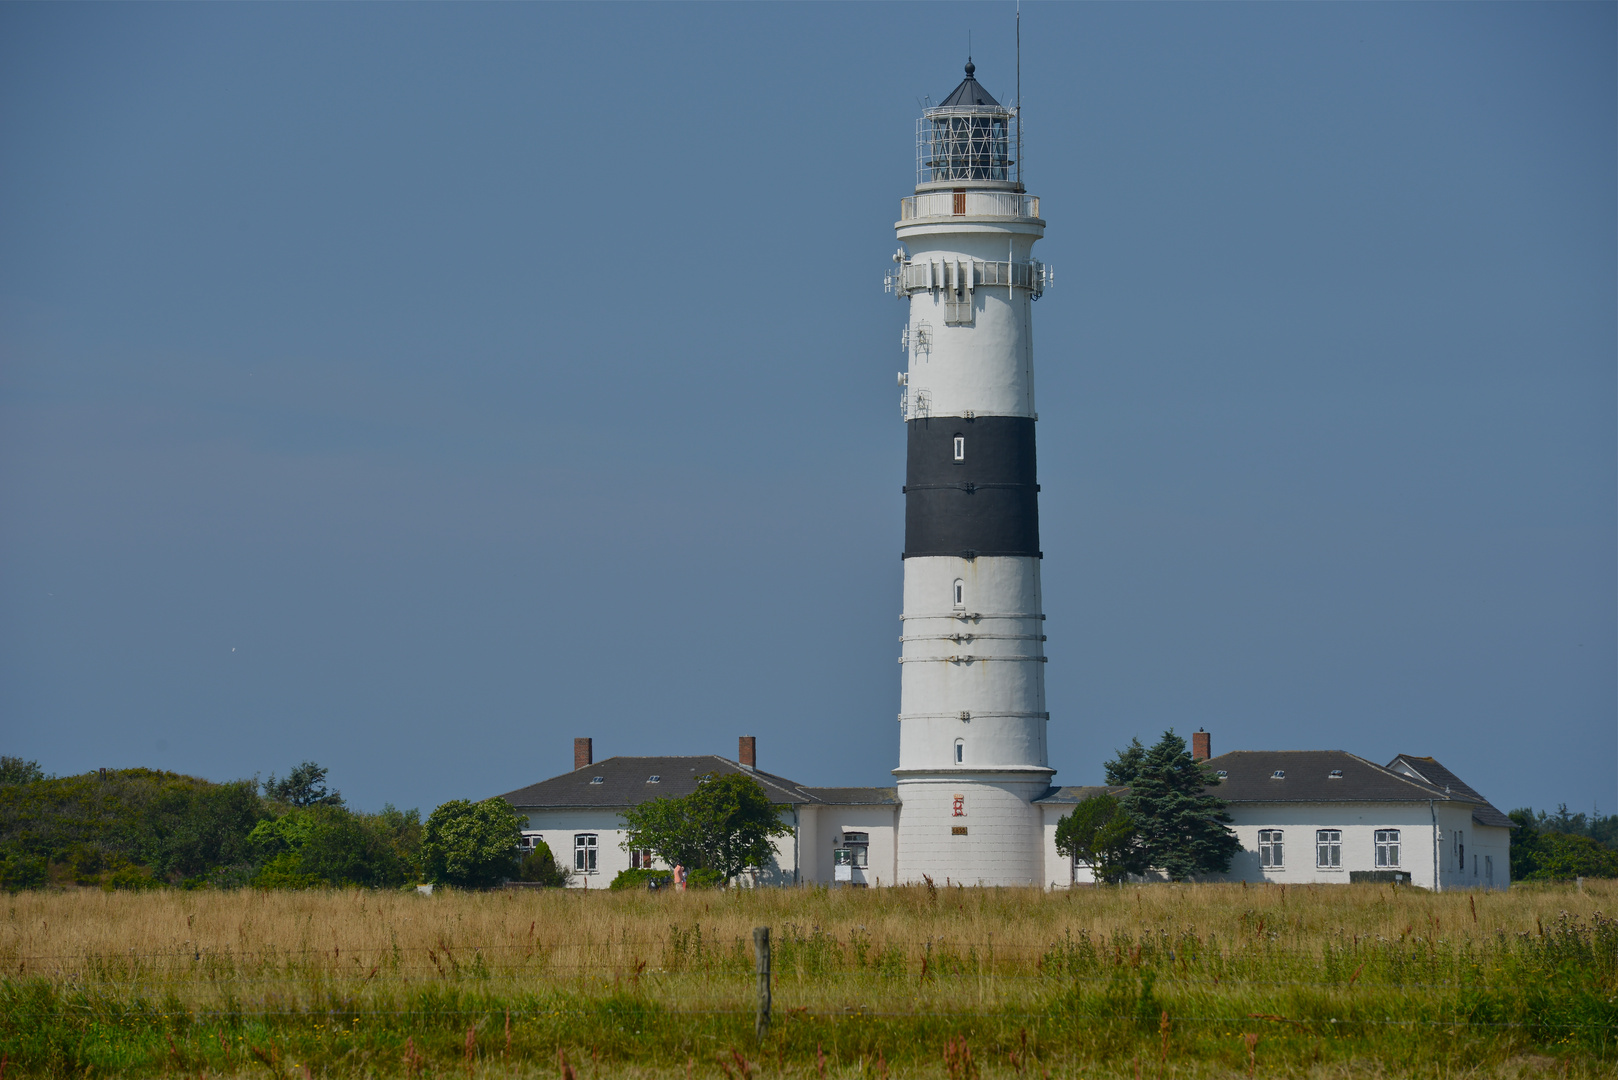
{"x": 1460, "y": 847}
{"x": 654, "y": 779}
{"x": 859, "y": 846}
{"x": 960, "y": 750}
{"x": 641, "y": 859}
{"x": 1269, "y": 848}
{"x": 960, "y": 593}
{"x": 1387, "y": 847}
{"x": 1488, "y": 869}
{"x": 960, "y": 448}
{"x": 584, "y": 852}
{"x": 531, "y": 840}
{"x": 1329, "y": 848}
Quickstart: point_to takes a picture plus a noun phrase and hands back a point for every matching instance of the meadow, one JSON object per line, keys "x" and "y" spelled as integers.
{"x": 1133, "y": 981}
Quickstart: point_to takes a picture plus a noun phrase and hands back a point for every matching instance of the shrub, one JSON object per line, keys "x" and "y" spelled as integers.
{"x": 541, "y": 867}
{"x": 637, "y": 879}
{"x": 705, "y": 878}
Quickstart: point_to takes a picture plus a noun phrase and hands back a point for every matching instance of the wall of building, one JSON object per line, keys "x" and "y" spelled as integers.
{"x": 560, "y": 827}
{"x": 1467, "y": 851}
{"x": 1002, "y": 844}
{"x": 881, "y": 823}
{"x": 1358, "y": 823}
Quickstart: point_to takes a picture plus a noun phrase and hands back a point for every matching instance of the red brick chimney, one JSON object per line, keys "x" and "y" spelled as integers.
{"x": 582, "y": 753}
{"x": 747, "y": 751}
{"x": 1201, "y": 745}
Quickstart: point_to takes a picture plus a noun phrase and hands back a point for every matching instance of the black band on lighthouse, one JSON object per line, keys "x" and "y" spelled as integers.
{"x": 970, "y": 487}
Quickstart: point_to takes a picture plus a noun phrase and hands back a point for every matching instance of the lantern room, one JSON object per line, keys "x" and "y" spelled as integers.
{"x": 969, "y": 137}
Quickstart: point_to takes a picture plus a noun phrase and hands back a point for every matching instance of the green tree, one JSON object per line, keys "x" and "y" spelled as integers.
{"x": 1540, "y": 852}
{"x": 14, "y": 770}
{"x": 326, "y": 845}
{"x": 1183, "y": 828}
{"x": 724, "y": 826}
{"x": 1122, "y": 770}
{"x": 542, "y": 867}
{"x": 305, "y": 785}
{"x": 473, "y": 845}
{"x": 1099, "y": 834}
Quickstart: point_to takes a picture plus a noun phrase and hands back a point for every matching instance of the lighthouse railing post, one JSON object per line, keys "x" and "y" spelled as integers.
{"x": 761, "y": 954}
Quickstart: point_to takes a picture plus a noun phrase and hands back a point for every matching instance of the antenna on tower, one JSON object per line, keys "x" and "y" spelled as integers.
{"x": 1019, "y": 97}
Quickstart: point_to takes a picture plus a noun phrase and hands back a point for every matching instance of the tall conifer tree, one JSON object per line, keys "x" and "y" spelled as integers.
{"x": 1182, "y": 827}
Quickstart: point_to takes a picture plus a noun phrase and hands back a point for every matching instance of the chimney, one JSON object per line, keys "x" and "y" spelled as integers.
{"x": 1201, "y": 749}
{"x": 582, "y": 754}
{"x": 747, "y": 751}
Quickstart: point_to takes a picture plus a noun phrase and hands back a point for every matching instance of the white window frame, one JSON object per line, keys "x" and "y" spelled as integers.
{"x": 1387, "y": 848}
{"x": 1328, "y": 849}
{"x": 960, "y": 448}
{"x": 584, "y": 852}
{"x": 1271, "y": 849}
{"x": 641, "y": 858}
{"x": 960, "y": 751}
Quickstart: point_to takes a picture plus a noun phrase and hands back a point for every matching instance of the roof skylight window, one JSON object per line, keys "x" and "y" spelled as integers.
{"x": 1335, "y": 774}
{"x": 598, "y": 779}
{"x": 1279, "y": 774}
{"x": 654, "y": 779}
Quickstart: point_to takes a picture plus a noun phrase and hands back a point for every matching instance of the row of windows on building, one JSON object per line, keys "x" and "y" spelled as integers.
{"x": 585, "y": 846}
{"x": 1328, "y": 848}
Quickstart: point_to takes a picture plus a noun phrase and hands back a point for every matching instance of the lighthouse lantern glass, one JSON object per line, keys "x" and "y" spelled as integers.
{"x": 972, "y": 143}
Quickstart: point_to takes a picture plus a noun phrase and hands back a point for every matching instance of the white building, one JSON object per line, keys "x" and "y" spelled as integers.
{"x": 1302, "y": 816}
{"x": 973, "y": 800}
{"x": 1329, "y": 816}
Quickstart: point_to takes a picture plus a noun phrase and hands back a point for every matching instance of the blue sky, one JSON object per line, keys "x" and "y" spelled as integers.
{"x": 413, "y": 388}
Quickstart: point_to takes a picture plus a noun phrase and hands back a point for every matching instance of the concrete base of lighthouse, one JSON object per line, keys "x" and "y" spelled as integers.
{"x": 972, "y": 828}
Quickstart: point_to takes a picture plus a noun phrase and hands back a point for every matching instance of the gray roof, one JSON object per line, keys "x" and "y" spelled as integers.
{"x": 856, "y": 796}
{"x": 969, "y": 93}
{"x": 1076, "y": 795}
{"x": 1428, "y": 769}
{"x": 1250, "y": 778}
{"x": 626, "y": 781}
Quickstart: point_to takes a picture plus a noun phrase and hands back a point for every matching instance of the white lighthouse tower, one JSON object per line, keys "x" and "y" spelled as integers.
{"x": 972, "y": 716}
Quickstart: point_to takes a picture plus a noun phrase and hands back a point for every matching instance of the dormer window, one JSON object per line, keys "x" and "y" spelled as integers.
{"x": 598, "y": 779}
{"x": 960, "y": 448}
{"x": 1279, "y": 774}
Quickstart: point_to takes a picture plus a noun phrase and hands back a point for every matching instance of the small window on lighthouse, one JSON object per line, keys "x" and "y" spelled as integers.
{"x": 960, "y": 593}
{"x": 960, "y": 750}
{"x": 960, "y": 448}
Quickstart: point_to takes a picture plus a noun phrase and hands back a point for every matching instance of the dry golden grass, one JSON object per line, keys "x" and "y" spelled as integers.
{"x": 344, "y": 978}
{"x": 51, "y": 933}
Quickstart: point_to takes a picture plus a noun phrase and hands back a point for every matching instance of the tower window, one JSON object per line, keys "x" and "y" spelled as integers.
{"x": 960, "y": 448}
{"x": 960, "y": 750}
{"x": 960, "y": 593}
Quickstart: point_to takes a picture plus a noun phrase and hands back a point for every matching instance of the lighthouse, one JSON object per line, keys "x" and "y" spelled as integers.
{"x": 972, "y": 721}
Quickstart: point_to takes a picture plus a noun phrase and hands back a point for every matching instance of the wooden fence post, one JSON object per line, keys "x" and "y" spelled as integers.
{"x": 761, "y": 953}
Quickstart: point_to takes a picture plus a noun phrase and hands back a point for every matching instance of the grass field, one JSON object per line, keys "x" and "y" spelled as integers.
{"x": 1156, "y": 981}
